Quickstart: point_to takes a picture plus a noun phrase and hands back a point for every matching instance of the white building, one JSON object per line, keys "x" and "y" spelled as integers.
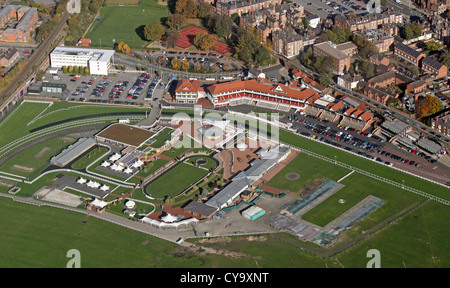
{"x": 98, "y": 60}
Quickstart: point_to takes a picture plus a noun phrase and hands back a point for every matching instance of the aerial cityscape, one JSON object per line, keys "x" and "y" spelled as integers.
{"x": 224, "y": 134}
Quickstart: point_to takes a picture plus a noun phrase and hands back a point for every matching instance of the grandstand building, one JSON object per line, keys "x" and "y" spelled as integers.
{"x": 260, "y": 92}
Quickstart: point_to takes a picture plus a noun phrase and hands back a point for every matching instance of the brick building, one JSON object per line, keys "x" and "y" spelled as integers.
{"x": 341, "y": 61}
{"x": 408, "y": 54}
{"x": 433, "y": 67}
{"x": 19, "y": 28}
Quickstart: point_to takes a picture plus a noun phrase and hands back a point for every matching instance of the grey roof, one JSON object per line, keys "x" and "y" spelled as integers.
{"x": 230, "y": 192}
{"x": 429, "y": 145}
{"x": 408, "y": 50}
{"x": 330, "y": 50}
{"x": 246, "y": 178}
{"x": 23, "y": 22}
{"x": 431, "y": 62}
{"x": 395, "y": 126}
{"x": 200, "y": 208}
{"x": 351, "y": 102}
{"x": 72, "y": 151}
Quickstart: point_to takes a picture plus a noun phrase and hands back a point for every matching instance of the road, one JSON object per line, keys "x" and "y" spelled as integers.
{"x": 36, "y": 57}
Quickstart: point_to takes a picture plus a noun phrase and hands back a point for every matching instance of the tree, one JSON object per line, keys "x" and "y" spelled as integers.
{"x": 444, "y": 58}
{"x": 262, "y": 55}
{"x": 154, "y": 31}
{"x": 427, "y": 106}
{"x": 172, "y": 38}
{"x": 305, "y": 22}
{"x": 198, "y": 39}
{"x": 223, "y": 25}
{"x": 433, "y": 45}
{"x": 208, "y": 42}
{"x": 126, "y": 49}
{"x": 204, "y": 10}
{"x": 174, "y": 21}
{"x": 366, "y": 69}
{"x": 188, "y": 8}
{"x": 175, "y": 63}
{"x": 412, "y": 30}
{"x": 120, "y": 46}
{"x": 185, "y": 65}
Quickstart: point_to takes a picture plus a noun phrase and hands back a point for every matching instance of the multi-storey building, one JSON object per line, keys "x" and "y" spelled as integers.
{"x": 369, "y": 21}
{"x": 341, "y": 61}
{"x": 441, "y": 124}
{"x": 98, "y": 60}
{"x": 288, "y": 43}
{"x": 260, "y": 92}
{"x": 18, "y": 30}
{"x": 408, "y": 54}
{"x": 186, "y": 91}
{"x": 244, "y": 6}
{"x": 434, "y": 68}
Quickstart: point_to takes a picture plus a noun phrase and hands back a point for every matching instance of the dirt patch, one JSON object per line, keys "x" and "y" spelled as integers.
{"x": 23, "y": 168}
{"x": 187, "y": 250}
{"x": 67, "y": 139}
{"x": 6, "y": 183}
{"x": 42, "y": 152}
{"x": 292, "y": 176}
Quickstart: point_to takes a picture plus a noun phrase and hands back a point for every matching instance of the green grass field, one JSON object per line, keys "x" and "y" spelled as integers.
{"x": 365, "y": 164}
{"x": 357, "y": 187}
{"x": 30, "y": 115}
{"x": 41, "y": 241}
{"x": 309, "y": 168}
{"x": 36, "y": 157}
{"x": 175, "y": 181}
{"x": 161, "y": 138}
{"x": 125, "y": 24}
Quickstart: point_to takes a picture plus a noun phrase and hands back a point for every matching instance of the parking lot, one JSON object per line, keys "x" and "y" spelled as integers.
{"x": 123, "y": 88}
{"x": 343, "y": 137}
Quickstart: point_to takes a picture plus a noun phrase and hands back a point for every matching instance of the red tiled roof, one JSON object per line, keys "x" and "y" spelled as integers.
{"x": 366, "y": 116}
{"x": 184, "y": 85}
{"x": 84, "y": 42}
{"x": 264, "y": 86}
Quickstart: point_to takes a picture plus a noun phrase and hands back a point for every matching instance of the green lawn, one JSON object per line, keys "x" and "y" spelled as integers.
{"x": 37, "y": 157}
{"x": 309, "y": 169}
{"x": 89, "y": 158}
{"x": 175, "y": 181}
{"x": 365, "y": 164}
{"x": 208, "y": 165}
{"x": 358, "y": 187}
{"x": 125, "y": 24}
{"x": 161, "y": 137}
{"x": 420, "y": 240}
{"x": 183, "y": 146}
{"x": 39, "y": 114}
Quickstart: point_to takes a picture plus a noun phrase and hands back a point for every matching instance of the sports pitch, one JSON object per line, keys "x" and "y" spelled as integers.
{"x": 124, "y": 23}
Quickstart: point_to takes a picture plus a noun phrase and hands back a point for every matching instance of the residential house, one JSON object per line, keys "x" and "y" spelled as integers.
{"x": 408, "y": 54}
{"x": 433, "y": 67}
